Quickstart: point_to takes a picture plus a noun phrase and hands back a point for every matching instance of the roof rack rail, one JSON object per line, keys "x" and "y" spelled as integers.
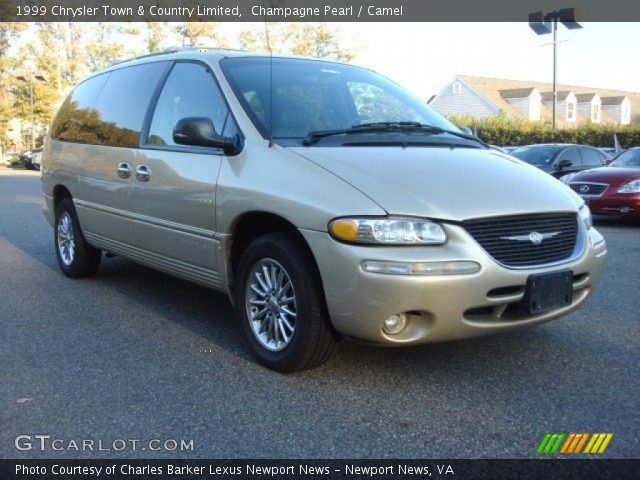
{"x": 163, "y": 52}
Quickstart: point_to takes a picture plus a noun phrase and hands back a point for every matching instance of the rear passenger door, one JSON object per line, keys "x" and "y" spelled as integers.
{"x": 111, "y": 135}
{"x": 173, "y": 196}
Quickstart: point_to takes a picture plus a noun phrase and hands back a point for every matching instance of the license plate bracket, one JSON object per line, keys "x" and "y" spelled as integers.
{"x": 547, "y": 291}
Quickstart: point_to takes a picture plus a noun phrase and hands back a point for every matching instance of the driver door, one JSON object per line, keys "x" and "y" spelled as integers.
{"x": 571, "y": 154}
{"x": 173, "y": 195}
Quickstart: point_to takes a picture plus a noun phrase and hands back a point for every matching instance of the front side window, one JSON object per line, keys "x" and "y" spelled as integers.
{"x": 311, "y": 95}
{"x": 189, "y": 91}
{"x": 539, "y": 156}
{"x": 573, "y": 155}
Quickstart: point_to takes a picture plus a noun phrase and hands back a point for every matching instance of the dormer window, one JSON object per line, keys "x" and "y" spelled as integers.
{"x": 571, "y": 112}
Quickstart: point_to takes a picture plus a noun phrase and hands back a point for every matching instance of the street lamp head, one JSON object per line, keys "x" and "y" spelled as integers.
{"x": 538, "y": 24}
{"x": 40, "y": 76}
{"x": 569, "y": 18}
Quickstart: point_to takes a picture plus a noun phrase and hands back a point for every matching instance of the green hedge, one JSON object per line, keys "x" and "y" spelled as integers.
{"x": 503, "y": 131}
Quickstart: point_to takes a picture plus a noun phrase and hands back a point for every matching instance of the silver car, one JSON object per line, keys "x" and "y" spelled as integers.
{"x": 324, "y": 199}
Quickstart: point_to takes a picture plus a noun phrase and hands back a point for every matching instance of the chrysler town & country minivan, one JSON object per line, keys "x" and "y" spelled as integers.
{"x": 324, "y": 199}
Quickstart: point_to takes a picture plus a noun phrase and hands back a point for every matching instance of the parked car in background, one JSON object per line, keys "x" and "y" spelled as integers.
{"x": 611, "y": 190}
{"x": 558, "y": 159}
{"x": 499, "y": 149}
{"x": 35, "y": 159}
{"x": 610, "y": 152}
{"x": 26, "y": 158}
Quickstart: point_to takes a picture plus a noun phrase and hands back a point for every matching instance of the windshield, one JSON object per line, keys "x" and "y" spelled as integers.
{"x": 311, "y": 95}
{"x": 537, "y": 155}
{"x": 630, "y": 158}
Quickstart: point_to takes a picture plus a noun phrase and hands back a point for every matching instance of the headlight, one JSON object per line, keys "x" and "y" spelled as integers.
{"x": 585, "y": 215}
{"x": 566, "y": 178}
{"x": 388, "y": 231}
{"x": 631, "y": 187}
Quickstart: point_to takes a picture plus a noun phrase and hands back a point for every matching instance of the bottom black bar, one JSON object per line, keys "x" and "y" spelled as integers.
{"x": 328, "y": 469}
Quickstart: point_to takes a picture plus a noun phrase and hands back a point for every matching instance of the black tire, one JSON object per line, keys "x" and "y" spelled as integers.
{"x": 312, "y": 341}
{"x": 86, "y": 259}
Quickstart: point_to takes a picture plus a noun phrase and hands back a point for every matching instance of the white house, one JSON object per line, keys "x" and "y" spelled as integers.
{"x": 481, "y": 97}
{"x": 590, "y": 106}
{"x": 618, "y": 107}
{"x": 565, "y": 104}
{"x": 526, "y": 100}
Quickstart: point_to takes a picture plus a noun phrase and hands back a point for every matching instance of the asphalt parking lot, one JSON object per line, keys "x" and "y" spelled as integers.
{"x": 136, "y": 354}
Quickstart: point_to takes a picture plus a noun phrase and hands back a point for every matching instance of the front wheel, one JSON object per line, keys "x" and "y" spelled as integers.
{"x": 75, "y": 256}
{"x": 280, "y": 303}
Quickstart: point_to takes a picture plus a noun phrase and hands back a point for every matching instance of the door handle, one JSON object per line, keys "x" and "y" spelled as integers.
{"x": 124, "y": 170}
{"x": 143, "y": 173}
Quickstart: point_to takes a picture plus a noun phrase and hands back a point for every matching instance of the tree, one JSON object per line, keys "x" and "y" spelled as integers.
{"x": 201, "y": 34}
{"x": 306, "y": 39}
{"x": 104, "y": 45}
{"x": 156, "y": 35}
{"x": 9, "y": 31}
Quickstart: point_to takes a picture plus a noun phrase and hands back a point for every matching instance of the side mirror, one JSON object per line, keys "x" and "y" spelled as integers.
{"x": 564, "y": 163}
{"x": 200, "y": 132}
{"x": 465, "y": 130}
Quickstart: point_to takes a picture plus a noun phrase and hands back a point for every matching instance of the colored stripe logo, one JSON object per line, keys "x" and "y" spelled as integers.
{"x": 574, "y": 443}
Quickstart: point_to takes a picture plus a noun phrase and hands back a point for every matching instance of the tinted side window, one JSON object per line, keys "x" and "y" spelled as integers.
{"x": 591, "y": 157}
{"x": 572, "y": 154}
{"x": 190, "y": 91}
{"x": 76, "y": 115}
{"x": 123, "y": 103}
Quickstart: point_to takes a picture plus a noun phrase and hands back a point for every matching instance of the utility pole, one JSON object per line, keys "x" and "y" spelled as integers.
{"x": 555, "y": 71}
{"x": 31, "y": 78}
{"x": 543, "y": 23}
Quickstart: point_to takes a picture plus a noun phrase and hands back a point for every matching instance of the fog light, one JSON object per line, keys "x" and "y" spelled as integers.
{"x": 395, "y": 324}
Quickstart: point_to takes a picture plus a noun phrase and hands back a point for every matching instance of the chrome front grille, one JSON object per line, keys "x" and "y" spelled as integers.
{"x": 587, "y": 188}
{"x": 526, "y": 240}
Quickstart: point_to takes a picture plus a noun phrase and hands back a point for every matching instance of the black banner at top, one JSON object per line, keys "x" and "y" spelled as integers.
{"x": 310, "y": 10}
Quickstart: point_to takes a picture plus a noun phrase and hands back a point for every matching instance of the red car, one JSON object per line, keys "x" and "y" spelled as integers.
{"x": 611, "y": 190}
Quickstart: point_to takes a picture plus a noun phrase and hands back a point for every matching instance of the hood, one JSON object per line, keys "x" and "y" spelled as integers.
{"x": 614, "y": 176}
{"x": 443, "y": 183}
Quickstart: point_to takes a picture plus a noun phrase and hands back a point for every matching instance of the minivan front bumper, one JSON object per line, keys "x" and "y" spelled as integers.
{"x": 439, "y": 307}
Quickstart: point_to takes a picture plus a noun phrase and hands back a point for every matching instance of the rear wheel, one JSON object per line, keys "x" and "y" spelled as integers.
{"x": 281, "y": 306}
{"x": 75, "y": 256}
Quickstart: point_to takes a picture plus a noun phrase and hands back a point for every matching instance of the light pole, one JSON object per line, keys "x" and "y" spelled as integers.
{"x": 543, "y": 23}
{"x": 31, "y": 78}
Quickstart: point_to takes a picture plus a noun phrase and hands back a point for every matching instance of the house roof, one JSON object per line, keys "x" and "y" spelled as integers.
{"x": 613, "y": 100}
{"x": 585, "y": 97}
{"x": 561, "y": 95}
{"x": 517, "y": 92}
{"x": 490, "y": 89}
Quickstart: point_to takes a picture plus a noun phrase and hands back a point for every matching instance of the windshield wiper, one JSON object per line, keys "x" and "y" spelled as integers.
{"x": 315, "y": 136}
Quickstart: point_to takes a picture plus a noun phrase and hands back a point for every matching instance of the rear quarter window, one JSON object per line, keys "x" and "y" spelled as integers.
{"x": 115, "y": 115}
{"x": 77, "y": 111}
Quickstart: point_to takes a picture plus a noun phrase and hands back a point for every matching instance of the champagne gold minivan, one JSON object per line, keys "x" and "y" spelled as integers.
{"x": 327, "y": 201}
